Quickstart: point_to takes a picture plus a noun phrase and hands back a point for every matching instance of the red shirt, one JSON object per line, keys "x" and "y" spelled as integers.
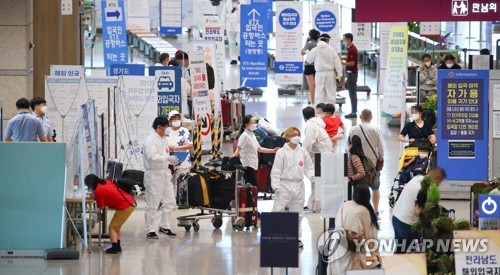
{"x": 352, "y": 55}
{"x": 108, "y": 195}
{"x": 332, "y": 125}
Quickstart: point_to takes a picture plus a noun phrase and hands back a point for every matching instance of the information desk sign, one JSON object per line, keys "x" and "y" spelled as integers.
{"x": 279, "y": 240}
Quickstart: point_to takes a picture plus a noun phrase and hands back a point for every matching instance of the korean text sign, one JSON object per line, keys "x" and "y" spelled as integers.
{"x": 462, "y": 123}
{"x": 168, "y": 85}
{"x": 253, "y": 49}
{"x": 114, "y": 33}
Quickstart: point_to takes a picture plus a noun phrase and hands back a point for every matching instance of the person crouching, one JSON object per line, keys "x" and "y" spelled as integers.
{"x": 291, "y": 164}
{"x": 106, "y": 193}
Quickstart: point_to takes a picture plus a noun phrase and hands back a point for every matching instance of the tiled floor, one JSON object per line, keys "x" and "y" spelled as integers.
{"x": 225, "y": 251}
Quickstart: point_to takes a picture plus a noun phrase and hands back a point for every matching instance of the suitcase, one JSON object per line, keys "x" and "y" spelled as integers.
{"x": 247, "y": 199}
{"x": 222, "y": 184}
{"x": 263, "y": 178}
{"x": 198, "y": 188}
{"x": 135, "y": 175}
{"x": 228, "y": 113}
{"x": 114, "y": 169}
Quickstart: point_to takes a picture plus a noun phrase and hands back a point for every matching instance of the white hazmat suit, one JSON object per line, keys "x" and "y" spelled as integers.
{"x": 230, "y": 18}
{"x": 158, "y": 181}
{"x": 328, "y": 68}
{"x": 287, "y": 179}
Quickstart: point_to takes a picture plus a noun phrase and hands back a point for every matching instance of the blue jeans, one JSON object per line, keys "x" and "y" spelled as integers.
{"x": 403, "y": 234}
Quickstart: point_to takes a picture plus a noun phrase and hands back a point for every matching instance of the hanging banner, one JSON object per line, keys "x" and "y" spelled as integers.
{"x": 325, "y": 19}
{"x": 64, "y": 97}
{"x": 393, "y": 103}
{"x": 168, "y": 87}
{"x": 171, "y": 17}
{"x": 385, "y": 31}
{"x": 114, "y": 33}
{"x": 253, "y": 49}
{"x": 289, "y": 60}
{"x": 126, "y": 69}
{"x": 208, "y": 49}
{"x": 463, "y": 124}
{"x": 268, "y": 28}
{"x": 362, "y": 33}
{"x": 214, "y": 31}
{"x": 427, "y": 10}
{"x": 201, "y": 99}
{"x": 138, "y": 13}
{"x": 67, "y": 70}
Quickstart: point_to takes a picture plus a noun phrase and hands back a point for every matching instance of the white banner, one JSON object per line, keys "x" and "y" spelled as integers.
{"x": 393, "y": 103}
{"x": 171, "y": 17}
{"x": 333, "y": 184}
{"x": 385, "y": 31}
{"x": 214, "y": 31}
{"x": 325, "y": 19}
{"x": 138, "y": 13}
{"x": 362, "y": 33}
{"x": 208, "y": 48}
{"x": 289, "y": 61}
{"x": 201, "y": 99}
{"x": 200, "y": 8}
{"x": 64, "y": 96}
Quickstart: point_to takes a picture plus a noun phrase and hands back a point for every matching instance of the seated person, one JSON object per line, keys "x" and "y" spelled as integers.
{"x": 334, "y": 125}
{"x": 419, "y": 167}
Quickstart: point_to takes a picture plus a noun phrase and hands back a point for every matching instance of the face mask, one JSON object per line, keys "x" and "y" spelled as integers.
{"x": 253, "y": 127}
{"x": 295, "y": 140}
{"x": 422, "y": 155}
{"x": 44, "y": 109}
{"x": 176, "y": 123}
{"x": 321, "y": 115}
{"x": 415, "y": 116}
{"x": 428, "y": 64}
{"x": 449, "y": 65}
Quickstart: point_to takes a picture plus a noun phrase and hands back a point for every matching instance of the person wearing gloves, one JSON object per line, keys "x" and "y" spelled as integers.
{"x": 316, "y": 140}
{"x": 427, "y": 78}
{"x": 230, "y": 17}
{"x": 179, "y": 140}
{"x": 291, "y": 164}
{"x": 158, "y": 179}
{"x": 328, "y": 70}
{"x": 248, "y": 149}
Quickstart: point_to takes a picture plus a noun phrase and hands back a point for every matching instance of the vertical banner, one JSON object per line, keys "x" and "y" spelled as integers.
{"x": 168, "y": 87}
{"x": 201, "y": 99}
{"x": 463, "y": 124}
{"x": 208, "y": 49}
{"x": 393, "y": 103}
{"x": 138, "y": 13}
{"x": 170, "y": 17}
{"x": 114, "y": 33}
{"x": 126, "y": 69}
{"x": 253, "y": 49}
{"x": 214, "y": 31}
{"x": 268, "y": 28}
{"x": 64, "y": 97}
{"x": 362, "y": 33}
{"x": 326, "y": 20}
{"x": 385, "y": 31}
{"x": 289, "y": 60}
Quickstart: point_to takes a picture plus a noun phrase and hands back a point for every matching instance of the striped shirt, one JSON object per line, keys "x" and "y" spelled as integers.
{"x": 355, "y": 169}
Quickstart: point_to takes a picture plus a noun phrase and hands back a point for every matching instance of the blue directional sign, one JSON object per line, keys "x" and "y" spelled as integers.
{"x": 114, "y": 33}
{"x": 269, "y": 4}
{"x": 253, "y": 49}
{"x": 126, "y": 69}
{"x": 168, "y": 84}
{"x": 489, "y": 206}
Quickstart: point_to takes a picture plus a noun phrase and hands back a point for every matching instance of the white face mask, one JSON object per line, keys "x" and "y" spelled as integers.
{"x": 295, "y": 140}
{"x": 253, "y": 127}
{"x": 321, "y": 115}
{"x": 44, "y": 109}
{"x": 428, "y": 64}
{"x": 449, "y": 65}
{"x": 176, "y": 123}
{"x": 422, "y": 155}
{"x": 415, "y": 116}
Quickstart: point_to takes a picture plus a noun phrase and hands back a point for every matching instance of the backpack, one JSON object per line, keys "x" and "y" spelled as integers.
{"x": 370, "y": 172}
{"x": 128, "y": 186}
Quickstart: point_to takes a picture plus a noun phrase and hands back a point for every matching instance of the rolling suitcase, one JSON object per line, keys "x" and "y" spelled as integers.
{"x": 263, "y": 178}
{"x": 226, "y": 113}
{"x": 247, "y": 198}
{"x": 198, "y": 194}
{"x": 114, "y": 169}
{"x": 135, "y": 175}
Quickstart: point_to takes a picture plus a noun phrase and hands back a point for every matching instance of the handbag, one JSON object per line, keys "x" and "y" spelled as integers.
{"x": 380, "y": 162}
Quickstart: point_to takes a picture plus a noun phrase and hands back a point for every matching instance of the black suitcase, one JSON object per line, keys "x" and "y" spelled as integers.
{"x": 271, "y": 143}
{"x": 114, "y": 169}
{"x": 222, "y": 186}
{"x": 136, "y": 175}
{"x": 198, "y": 190}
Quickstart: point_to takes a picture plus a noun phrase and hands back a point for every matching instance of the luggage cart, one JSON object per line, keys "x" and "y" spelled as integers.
{"x": 215, "y": 214}
{"x": 234, "y": 109}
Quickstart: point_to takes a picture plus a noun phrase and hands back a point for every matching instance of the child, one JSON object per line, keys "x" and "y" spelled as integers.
{"x": 319, "y": 110}
{"x": 334, "y": 125}
{"x": 291, "y": 164}
{"x": 420, "y": 167}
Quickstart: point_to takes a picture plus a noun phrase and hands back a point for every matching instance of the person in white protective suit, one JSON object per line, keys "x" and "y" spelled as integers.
{"x": 158, "y": 179}
{"x": 328, "y": 70}
{"x": 316, "y": 140}
{"x": 291, "y": 164}
{"x": 230, "y": 18}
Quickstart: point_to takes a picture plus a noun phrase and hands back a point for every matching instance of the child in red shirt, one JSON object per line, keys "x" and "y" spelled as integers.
{"x": 106, "y": 193}
{"x": 334, "y": 125}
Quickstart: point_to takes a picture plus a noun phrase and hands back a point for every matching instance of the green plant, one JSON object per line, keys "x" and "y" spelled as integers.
{"x": 414, "y": 27}
{"x": 431, "y": 102}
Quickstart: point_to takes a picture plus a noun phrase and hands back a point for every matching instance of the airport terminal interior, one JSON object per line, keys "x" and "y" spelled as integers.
{"x": 201, "y": 248}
